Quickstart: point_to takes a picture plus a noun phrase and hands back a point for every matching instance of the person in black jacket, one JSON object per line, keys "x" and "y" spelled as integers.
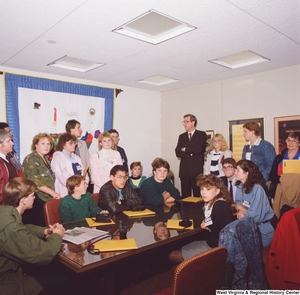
{"x": 217, "y": 214}
{"x": 117, "y": 194}
{"x": 190, "y": 149}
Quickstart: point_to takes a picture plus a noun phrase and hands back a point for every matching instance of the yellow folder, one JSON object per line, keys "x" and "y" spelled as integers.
{"x": 174, "y": 224}
{"x": 92, "y": 222}
{"x": 145, "y": 212}
{"x": 192, "y": 199}
{"x": 115, "y": 245}
{"x": 291, "y": 166}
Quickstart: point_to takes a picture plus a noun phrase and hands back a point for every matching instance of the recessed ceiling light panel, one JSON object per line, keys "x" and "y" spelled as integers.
{"x": 158, "y": 80}
{"x": 75, "y": 64}
{"x": 154, "y": 27}
{"x": 241, "y": 59}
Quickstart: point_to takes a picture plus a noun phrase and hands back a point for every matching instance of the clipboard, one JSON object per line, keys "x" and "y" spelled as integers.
{"x": 174, "y": 224}
{"x": 143, "y": 213}
{"x": 192, "y": 200}
{"x": 116, "y": 245}
{"x": 92, "y": 222}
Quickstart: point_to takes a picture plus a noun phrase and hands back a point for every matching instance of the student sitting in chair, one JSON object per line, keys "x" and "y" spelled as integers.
{"x": 78, "y": 204}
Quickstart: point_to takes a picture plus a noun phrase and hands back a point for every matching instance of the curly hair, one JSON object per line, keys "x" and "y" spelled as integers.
{"x": 224, "y": 146}
{"x": 210, "y": 181}
{"x": 40, "y": 136}
{"x": 63, "y": 139}
{"x": 254, "y": 175}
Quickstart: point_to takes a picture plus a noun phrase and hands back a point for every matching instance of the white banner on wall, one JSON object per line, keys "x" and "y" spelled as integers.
{"x": 48, "y": 111}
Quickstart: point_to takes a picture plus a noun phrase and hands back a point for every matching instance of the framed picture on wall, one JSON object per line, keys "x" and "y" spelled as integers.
{"x": 209, "y": 135}
{"x": 282, "y": 127}
{"x": 236, "y": 138}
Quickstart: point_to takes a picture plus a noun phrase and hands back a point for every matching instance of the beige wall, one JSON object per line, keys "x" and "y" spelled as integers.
{"x": 136, "y": 117}
{"x": 149, "y": 122}
{"x": 269, "y": 94}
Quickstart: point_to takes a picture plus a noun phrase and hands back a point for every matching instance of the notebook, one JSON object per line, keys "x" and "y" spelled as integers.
{"x": 115, "y": 245}
{"x": 143, "y": 213}
{"x": 192, "y": 199}
{"x": 91, "y": 222}
{"x": 291, "y": 166}
{"x": 174, "y": 224}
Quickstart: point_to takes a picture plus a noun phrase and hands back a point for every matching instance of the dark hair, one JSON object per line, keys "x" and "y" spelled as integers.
{"x": 230, "y": 161}
{"x": 3, "y": 125}
{"x": 158, "y": 163}
{"x": 135, "y": 164}
{"x": 211, "y": 180}
{"x": 74, "y": 181}
{"x": 117, "y": 168}
{"x": 65, "y": 137}
{"x": 254, "y": 175}
{"x": 295, "y": 135}
{"x": 16, "y": 189}
{"x": 253, "y": 126}
{"x": 113, "y": 131}
{"x": 71, "y": 124}
{"x": 192, "y": 118}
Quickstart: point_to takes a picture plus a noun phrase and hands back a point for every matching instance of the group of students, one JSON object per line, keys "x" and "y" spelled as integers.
{"x": 118, "y": 193}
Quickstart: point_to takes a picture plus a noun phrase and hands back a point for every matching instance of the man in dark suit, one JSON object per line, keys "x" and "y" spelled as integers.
{"x": 229, "y": 168}
{"x": 190, "y": 149}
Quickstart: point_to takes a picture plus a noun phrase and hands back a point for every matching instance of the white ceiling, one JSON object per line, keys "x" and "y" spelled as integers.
{"x": 83, "y": 29}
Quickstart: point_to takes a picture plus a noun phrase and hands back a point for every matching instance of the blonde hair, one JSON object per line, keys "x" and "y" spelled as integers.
{"x": 105, "y": 135}
{"x": 224, "y": 146}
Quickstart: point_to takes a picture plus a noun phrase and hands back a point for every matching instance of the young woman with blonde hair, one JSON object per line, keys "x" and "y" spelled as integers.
{"x": 217, "y": 152}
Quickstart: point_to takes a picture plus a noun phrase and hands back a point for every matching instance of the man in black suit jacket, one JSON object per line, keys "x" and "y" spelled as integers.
{"x": 190, "y": 149}
{"x": 229, "y": 168}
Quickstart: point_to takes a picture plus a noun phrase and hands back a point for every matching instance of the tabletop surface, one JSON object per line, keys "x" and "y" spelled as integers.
{"x": 139, "y": 228}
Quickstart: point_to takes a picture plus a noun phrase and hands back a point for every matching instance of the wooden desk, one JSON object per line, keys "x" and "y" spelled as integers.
{"x": 110, "y": 272}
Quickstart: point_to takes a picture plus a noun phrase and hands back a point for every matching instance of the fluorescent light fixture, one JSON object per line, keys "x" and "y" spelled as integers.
{"x": 158, "y": 80}
{"x": 154, "y": 27}
{"x": 75, "y": 64}
{"x": 238, "y": 60}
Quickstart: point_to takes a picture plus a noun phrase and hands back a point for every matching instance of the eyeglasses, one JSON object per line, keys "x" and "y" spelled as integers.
{"x": 185, "y": 122}
{"x": 121, "y": 177}
{"x": 292, "y": 141}
{"x": 227, "y": 167}
{"x": 216, "y": 140}
{"x": 71, "y": 142}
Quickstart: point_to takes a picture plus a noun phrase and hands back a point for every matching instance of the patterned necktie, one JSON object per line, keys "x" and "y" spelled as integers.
{"x": 120, "y": 194}
{"x": 190, "y": 136}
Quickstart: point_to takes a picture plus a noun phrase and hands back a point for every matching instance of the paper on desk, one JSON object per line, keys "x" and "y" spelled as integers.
{"x": 145, "y": 212}
{"x": 80, "y": 235}
{"x": 92, "y": 222}
{"x": 174, "y": 224}
{"x": 115, "y": 245}
{"x": 192, "y": 199}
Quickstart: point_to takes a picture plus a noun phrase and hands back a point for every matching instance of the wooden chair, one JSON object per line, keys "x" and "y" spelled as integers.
{"x": 96, "y": 198}
{"x": 201, "y": 274}
{"x": 51, "y": 211}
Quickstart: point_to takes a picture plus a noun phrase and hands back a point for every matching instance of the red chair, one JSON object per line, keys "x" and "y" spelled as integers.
{"x": 201, "y": 274}
{"x": 96, "y": 198}
{"x": 51, "y": 211}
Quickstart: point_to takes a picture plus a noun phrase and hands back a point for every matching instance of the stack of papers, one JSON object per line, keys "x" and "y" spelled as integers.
{"x": 174, "y": 224}
{"x": 115, "y": 245}
{"x": 91, "y": 222}
{"x": 145, "y": 212}
{"x": 79, "y": 235}
{"x": 192, "y": 199}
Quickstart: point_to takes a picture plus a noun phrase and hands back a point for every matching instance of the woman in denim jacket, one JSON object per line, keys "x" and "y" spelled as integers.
{"x": 257, "y": 150}
{"x": 251, "y": 199}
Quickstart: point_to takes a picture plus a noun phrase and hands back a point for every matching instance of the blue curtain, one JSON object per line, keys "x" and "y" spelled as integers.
{"x": 12, "y": 82}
